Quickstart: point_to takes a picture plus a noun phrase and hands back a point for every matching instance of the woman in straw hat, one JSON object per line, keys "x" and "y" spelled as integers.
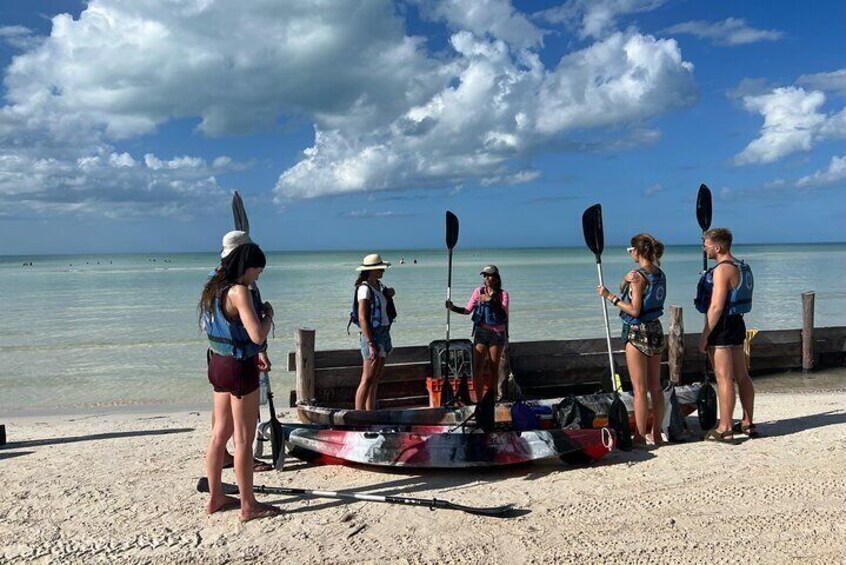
{"x": 489, "y": 308}
{"x": 373, "y": 312}
{"x": 235, "y": 328}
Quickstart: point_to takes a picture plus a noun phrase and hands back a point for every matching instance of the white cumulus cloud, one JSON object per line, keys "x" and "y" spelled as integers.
{"x": 596, "y": 18}
{"x": 793, "y": 122}
{"x": 835, "y": 173}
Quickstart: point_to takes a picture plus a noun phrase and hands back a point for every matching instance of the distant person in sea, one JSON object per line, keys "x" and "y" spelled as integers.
{"x": 230, "y": 241}
{"x": 488, "y": 307}
{"x": 235, "y": 328}
{"x": 373, "y": 311}
{"x": 724, "y": 294}
{"x": 641, "y": 304}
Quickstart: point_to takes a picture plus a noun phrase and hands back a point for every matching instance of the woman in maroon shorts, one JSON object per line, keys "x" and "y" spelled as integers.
{"x": 235, "y": 326}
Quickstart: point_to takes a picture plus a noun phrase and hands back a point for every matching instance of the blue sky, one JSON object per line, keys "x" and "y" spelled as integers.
{"x": 126, "y": 124}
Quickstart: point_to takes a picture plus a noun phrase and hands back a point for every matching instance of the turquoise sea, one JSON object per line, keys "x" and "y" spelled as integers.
{"x": 121, "y": 330}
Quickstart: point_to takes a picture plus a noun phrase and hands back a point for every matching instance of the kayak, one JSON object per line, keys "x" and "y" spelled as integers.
{"x": 439, "y": 447}
{"x": 450, "y": 416}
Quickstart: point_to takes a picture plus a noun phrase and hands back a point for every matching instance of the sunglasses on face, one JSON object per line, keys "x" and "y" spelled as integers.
{"x": 629, "y": 249}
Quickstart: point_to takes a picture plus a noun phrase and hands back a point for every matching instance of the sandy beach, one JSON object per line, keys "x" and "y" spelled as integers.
{"x": 120, "y": 488}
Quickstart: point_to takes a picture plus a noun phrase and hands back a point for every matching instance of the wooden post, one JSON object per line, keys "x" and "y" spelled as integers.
{"x": 675, "y": 344}
{"x": 304, "y": 342}
{"x": 807, "y": 332}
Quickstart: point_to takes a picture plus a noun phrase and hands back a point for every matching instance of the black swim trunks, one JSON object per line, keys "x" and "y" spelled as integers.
{"x": 238, "y": 377}
{"x": 730, "y": 331}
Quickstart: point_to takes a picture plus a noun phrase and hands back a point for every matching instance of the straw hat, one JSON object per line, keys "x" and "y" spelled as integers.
{"x": 373, "y": 262}
{"x": 490, "y": 270}
{"x": 232, "y": 240}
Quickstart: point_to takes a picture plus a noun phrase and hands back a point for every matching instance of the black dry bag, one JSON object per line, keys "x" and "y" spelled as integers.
{"x": 675, "y": 429}
{"x": 706, "y": 407}
{"x": 570, "y": 414}
{"x": 618, "y": 420}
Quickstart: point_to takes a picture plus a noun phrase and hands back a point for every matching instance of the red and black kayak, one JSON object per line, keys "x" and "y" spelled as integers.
{"x": 447, "y": 416}
{"x": 439, "y": 447}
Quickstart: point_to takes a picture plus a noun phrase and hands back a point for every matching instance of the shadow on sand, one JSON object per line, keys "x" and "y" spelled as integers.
{"x": 92, "y": 437}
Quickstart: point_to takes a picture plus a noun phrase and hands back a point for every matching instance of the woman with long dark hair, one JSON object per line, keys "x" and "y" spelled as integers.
{"x": 236, "y": 326}
{"x": 641, "y": 304}
{"x": 489, "y": 308}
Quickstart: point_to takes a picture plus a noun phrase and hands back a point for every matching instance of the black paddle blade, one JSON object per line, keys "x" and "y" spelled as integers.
{"x": 451, "y": 229}
{"x": 277, "y": 436}
{"x": 464, "y": 391}
{"x": 239, "y": 214}
{"x": 618, "y": 420}
{"x": 485, "y": 412}
{"x": 706, "y": 407}
{"x": 203, "y": 486}
{"x": 592, "y": 226}
{"x": 703, "y": 207}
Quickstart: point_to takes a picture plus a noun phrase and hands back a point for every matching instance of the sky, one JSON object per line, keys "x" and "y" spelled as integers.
{"x": 126, "y": 125}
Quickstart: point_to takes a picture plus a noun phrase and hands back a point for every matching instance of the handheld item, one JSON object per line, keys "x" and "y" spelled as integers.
{"x": 203, "y": 486}
{"x": 239, "y": 214}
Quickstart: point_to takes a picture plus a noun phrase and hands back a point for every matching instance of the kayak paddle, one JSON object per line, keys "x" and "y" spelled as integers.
{"x": 239, "y": 214}
{"x": 498, "y": 511}
{"x": 703, "y": 216}
{"x": 618, "y": 416}
{"x": 447, "y": 394}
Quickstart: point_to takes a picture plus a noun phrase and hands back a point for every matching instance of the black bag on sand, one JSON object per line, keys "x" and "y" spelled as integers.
{"x": 675, "y": 429}
{"x": 706, "y": 407}
{"x": 618, "y": 420}
{"x": 570, "y": 414}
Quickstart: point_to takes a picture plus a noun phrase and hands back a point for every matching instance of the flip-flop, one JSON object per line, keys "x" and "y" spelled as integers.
{"x": 719, "y": 437}
{"x": 747, "y": 429}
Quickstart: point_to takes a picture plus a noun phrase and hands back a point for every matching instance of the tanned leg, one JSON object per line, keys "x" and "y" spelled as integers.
{"x": 721, "y": 360}
{"x": 636, "y": 363}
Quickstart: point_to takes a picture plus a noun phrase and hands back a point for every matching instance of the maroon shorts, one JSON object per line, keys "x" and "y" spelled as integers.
{"x": 235, "y": 376}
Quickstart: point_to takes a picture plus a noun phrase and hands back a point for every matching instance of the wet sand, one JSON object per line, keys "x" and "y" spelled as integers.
{"x": 119, "y": 488}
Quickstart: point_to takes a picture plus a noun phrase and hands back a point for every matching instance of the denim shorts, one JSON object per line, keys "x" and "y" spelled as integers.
{"x": 486, "y": 337}
{"x": 381, "y": 337}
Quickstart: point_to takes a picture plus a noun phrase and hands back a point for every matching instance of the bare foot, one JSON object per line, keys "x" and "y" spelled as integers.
{"x": 258, "y": 512}
{"x": 222, "y": 504}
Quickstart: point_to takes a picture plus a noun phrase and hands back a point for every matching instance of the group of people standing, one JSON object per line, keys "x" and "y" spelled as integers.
{"x": 237, "y": 323}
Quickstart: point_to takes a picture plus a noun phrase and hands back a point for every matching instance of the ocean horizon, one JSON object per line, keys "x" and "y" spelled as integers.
{"x": 95, "y": 330}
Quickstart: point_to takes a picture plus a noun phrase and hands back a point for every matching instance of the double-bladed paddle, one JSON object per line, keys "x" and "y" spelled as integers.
{"x": 618, "y": 416}
{"x": 433, "y": 503}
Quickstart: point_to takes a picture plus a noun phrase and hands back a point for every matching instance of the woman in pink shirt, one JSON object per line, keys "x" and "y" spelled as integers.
{"x": 489, "y": 308}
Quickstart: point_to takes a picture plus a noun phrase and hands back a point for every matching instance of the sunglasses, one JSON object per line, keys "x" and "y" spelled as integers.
{"x": 629, "y": 249}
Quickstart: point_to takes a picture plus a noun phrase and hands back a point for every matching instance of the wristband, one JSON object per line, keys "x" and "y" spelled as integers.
{"x": 615, "y": 301}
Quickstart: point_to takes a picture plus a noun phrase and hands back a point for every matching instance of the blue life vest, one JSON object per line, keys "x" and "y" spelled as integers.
{"x": 653, "y": 300}
{"x": 229, "y": 338}
{"x": 487, "y": 313}
{"x": 739, "y": 300}
{"x": 375, "y": 309}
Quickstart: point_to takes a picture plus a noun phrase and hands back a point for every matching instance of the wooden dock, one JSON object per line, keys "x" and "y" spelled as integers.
{"x": 545, "y": 369}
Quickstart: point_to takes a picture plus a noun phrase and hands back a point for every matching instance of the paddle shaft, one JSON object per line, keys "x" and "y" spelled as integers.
{"x": 607, "y": 328}
{"x": 202, "y": 486}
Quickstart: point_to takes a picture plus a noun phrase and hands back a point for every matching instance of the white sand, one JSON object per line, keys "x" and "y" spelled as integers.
{"x": 120, "y": 488}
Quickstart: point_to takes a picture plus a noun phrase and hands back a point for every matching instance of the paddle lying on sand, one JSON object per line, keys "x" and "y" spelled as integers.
{"x": 617, "y": 414}
{"x": 448, "y": 395}
{"x": 203, "y": 486}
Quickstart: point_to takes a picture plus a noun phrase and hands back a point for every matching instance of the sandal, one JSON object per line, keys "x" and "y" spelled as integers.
{"x": 747, "y": 429}
{"x": 720, "y": 437}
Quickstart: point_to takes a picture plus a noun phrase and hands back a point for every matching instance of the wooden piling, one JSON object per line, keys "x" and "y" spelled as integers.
{"x": 807, "y": 332}
{"x": 675, "y": 344}
{"x": 304, "y": 342}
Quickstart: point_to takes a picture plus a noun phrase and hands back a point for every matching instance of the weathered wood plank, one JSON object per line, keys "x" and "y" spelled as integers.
{"x": 305, "y": 363}
{"x": 351, "y": 376}
{"x": 350, "y": 357}
{"x": 338, "y": 396}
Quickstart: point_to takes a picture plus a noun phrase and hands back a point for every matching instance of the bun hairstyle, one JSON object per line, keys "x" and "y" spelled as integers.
{"x": 648, "y": 247}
